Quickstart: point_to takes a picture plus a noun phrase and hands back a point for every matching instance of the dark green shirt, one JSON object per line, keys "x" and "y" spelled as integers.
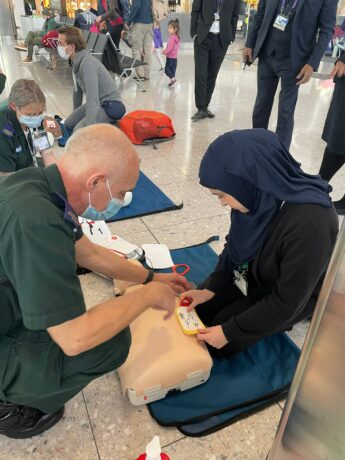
{"x": 39, "y": 287}
{"x": 15, "y": 153}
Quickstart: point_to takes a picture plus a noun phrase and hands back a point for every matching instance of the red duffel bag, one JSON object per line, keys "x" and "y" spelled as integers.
{"x": 47, "y": 39}
{"x": 147, "y": 127}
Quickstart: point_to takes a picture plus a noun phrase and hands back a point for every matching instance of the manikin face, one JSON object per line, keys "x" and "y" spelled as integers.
{"x": 228, "y": 200}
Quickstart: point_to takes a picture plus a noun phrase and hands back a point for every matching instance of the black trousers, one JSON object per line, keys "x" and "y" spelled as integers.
{"x": 331, "y": 163}
{"x": 270, "y": 70}
{"x": 115, "y": 32}
{"x": 231, "y": 302}
{"x": 224, "y": 305}
{"x": 208, "y": 57}
{"x": 170, "y": 67}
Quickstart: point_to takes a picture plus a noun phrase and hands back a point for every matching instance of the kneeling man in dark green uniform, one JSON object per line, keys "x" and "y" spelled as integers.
{"x": 50, "y": 346}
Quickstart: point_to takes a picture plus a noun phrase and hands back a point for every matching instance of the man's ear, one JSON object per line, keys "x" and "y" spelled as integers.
{"x": 94, "y": 182}
{"x": 12, "y": 106}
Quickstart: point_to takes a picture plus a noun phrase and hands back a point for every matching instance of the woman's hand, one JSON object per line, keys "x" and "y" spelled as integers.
{"x": 214, "y": 336}
{"x": 176, "y": 282}
{"x": 197, "y": 296}
{"x": 99, "y": 19}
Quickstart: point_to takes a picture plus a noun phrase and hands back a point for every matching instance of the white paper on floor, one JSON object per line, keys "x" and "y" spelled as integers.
{"x": 121, "y": 246}
{"x": 157, "y": 256}
{"x": 95, "y": 230}
{"x": 99, "y": 233}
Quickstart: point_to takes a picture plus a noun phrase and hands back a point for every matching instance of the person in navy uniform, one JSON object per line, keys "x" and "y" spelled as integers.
{"x": 289, "y": 37}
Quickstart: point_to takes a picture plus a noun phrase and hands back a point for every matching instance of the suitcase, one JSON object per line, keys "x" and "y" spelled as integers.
{"x": 147, "y": 127}
{"x": 162, "y": 358}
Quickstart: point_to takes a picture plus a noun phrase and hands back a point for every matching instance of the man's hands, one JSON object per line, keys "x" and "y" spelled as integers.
{"x": 176, "y": 282}
{"x": 197, "y": 297}
{"x": 338, "y": 70}
{"x": 214, "y": 336}
{"x": 161, "y": 297}
{"x": 247, "y": 54}
{"x": 305, "y": 74}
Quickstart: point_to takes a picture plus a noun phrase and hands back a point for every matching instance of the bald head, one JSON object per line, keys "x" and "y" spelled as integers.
{"x": 99, "y": 147}
{"x": 93, "y": 155}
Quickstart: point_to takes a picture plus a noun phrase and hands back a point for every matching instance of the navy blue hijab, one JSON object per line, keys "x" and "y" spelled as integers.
{"x": 254, "y": 167}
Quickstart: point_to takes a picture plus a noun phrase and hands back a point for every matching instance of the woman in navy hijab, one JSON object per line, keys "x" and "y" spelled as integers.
{"x": 283, "y": 230}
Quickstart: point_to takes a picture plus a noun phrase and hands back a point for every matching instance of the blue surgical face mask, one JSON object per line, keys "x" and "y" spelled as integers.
{"x": 113, "y": 208}
{"x": 31, "y": 122}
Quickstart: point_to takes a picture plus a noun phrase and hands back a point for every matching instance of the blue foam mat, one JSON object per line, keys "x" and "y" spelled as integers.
{"x": 147, "y": 199}
{"x": 239, "y": 385}
{"x": 201, "y": 258}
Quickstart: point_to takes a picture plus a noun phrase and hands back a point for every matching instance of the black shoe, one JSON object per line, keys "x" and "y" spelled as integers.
{"x": 199, "y": 115}
{"x": 210, "y": 114}
{"x": 9, "y": 414}
{"x": 20, "y": 422}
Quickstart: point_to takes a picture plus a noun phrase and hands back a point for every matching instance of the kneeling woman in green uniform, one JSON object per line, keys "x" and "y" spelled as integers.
{"x": 26, "y": 106}
{"x": 283, "y": 229}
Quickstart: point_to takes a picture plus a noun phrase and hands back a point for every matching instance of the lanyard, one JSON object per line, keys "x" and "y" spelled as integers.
{"x": 31, "y": 148}
{"x": 282, "y": 8}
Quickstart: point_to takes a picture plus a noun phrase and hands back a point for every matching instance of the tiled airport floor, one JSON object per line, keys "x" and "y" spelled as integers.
{"x": 99, "y": 423}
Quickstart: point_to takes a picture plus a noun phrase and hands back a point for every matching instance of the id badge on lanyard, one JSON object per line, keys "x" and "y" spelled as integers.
{"x": 241, "y": 279}
{"x": 32, "y": 149}
{"x": 283, "y": 17}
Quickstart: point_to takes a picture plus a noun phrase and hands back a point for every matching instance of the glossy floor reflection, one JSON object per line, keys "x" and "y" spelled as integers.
{"x": 99, "y": 424}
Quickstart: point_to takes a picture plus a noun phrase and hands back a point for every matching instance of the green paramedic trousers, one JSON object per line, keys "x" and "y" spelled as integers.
{"x": 35, "y": 372}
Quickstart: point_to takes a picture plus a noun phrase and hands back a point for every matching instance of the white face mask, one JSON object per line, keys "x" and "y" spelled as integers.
{"x": 62, "y": 52}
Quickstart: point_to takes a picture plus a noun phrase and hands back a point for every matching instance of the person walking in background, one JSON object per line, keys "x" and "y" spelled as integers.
{"x": 213, "y": 28}
{"x": 35, "y": 38}
{"x": 2, "y": 80}
{"x": 142, "y": 20}
{"x": 110, "y": 12}
{"x": 289, "y": 37}
{"x": 27, "y": 8}
{"x": 158, "y": 44}
{"x": 171, "y": 51}
{"x": 333, "y": 132}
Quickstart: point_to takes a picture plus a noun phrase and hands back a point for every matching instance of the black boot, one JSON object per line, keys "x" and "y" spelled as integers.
{"x": 22, "y": 422}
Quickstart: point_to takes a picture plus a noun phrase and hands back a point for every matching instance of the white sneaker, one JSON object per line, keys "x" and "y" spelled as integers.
{"x": 172, "y": 83}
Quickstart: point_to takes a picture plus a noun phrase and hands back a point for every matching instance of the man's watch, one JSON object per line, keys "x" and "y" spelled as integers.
{"x": 149, "y": 276}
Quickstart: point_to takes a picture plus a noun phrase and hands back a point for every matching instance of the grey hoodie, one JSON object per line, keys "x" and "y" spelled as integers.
{"x": 92, "y": 79}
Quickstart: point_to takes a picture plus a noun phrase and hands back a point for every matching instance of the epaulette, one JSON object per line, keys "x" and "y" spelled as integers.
{"x": 8, "y": 129}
